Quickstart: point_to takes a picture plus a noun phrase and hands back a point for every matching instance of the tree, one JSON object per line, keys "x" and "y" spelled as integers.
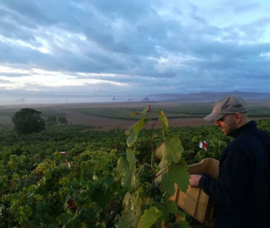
{"x": 62, "y": 120}
{"x": 51, "y": 120}
{"x": 27, "y": 121}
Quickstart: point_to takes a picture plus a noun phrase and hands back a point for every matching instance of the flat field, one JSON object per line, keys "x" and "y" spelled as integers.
{"x": 112, "y": 115}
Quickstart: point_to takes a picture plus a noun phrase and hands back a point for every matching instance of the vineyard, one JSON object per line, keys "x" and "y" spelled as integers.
{"x": 76, "y": 176}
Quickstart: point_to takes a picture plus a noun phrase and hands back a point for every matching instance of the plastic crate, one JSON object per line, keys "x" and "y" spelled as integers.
{"x": 195, "y": 202}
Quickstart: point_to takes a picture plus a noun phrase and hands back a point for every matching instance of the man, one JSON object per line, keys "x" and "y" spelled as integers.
{"x": 242, "y": 189}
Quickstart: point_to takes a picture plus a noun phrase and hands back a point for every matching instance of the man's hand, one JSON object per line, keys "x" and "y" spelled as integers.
{"x": 194, "y": 180}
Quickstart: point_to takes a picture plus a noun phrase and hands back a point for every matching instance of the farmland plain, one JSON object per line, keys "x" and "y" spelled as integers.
{"x": 114, "y": 115}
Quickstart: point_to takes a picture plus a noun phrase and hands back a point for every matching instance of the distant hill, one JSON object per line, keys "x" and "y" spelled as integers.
{"x": 210, "y": 96}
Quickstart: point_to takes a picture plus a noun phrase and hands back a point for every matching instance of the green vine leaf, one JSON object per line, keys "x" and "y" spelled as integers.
{"x": 149, "y": 217}
{"x": 134, "y": 131}
{"x": 132, "y": 210}
{"x": 164, "y": 211}
{"x": 164, "y": 121}
{"x": 146, "y": 110}
{"x": 137, "y": 127}
{"x": 134, "y": 113}
{"x": 131, "y": 158}
{"x": 171, "y": 207}
{"x": 170, "y": 150}
{"x": 132, "y": 138}
{"x": 175, "y": 174}
{"x": 128, "y": 131}
{"x": 128, "y": 176}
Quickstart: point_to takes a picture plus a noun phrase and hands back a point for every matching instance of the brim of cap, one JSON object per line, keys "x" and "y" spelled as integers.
{"x": 213, "y": 117}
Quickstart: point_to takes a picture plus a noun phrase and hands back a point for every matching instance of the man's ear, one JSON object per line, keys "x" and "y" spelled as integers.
{"x": 238, "y": 117}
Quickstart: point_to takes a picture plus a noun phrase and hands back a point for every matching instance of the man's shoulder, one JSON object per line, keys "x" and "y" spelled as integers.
{"x": 244, "y": 141}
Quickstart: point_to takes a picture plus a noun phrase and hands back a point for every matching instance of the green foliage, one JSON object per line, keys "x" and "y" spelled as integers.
{"x": 147, "y": 193}
{"x": 134, "y": 131}
{"x": 109, "y": 183}
{"x": 27, "y": 121}
{"x": 170, "y": 150}
{"x": 62, "y": 120}
{"x": 175, "y": 174}
{"x": 51, "y": 120}
{"x": 149, "y": 217}
{"x": 33, "y": 174}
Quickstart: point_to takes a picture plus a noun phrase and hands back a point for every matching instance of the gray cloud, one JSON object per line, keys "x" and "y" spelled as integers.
{"x": 8, "y": 74}
{"x": 4, "y": 81}
{"x": 147, "y": 44}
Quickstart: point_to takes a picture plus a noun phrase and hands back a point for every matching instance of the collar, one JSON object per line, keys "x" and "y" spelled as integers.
{"x": 251, "y": 125}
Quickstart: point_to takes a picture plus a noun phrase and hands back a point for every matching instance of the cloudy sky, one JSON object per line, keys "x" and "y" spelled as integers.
{"x": 137, "y": 47}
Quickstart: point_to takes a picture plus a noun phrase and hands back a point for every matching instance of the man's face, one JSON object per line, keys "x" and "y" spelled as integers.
{"x": 227, "y": 124}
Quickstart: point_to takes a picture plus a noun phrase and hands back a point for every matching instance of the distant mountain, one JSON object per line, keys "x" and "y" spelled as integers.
{"x": 33, "y": 97}
{"x": 23, "y": 97}
{"x": 209, "y": 96}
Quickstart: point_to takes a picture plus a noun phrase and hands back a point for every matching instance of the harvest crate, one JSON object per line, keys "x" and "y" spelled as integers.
{"x": 195, "y": 202}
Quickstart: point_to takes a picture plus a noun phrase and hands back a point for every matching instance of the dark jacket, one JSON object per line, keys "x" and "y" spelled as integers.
{"x": 242, "y": 189}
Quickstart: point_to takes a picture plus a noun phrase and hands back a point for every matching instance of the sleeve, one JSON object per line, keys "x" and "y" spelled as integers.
{"x": 232, "y": 183}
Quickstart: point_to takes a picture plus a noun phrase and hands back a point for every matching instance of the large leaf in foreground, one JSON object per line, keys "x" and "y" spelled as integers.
{"x": 132, "y": 210}
{"x": 149, "y": 217}
{"x": 175, "y": 174}
{"x": 131, "y": 158}
{"x": 164, "y": 122}
{"x": 171, "y": 207}
{"x": 134, "y": 131}
{"x": 128, "y": 176}
{"x": 170, "y": 150}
